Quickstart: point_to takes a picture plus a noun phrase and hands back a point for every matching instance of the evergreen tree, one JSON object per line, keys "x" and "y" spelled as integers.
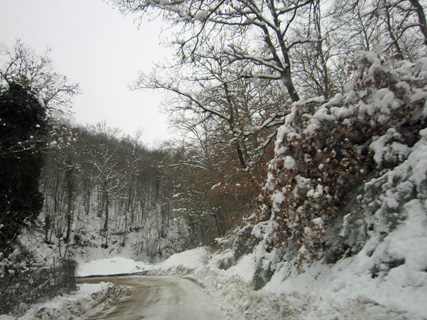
{"x": 22, "y": 129}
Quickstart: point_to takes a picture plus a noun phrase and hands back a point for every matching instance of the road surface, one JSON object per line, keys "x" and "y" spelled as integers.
{"x": 158, "y": 297}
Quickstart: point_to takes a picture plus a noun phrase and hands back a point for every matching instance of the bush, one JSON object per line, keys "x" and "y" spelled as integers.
{"x": 22, "y": 129}
{"x": 325, "y": 149}
{"x": 25, "y": 284}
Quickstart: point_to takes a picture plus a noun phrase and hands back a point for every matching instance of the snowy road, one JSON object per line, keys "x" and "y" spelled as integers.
{"x": 158, "y": 297}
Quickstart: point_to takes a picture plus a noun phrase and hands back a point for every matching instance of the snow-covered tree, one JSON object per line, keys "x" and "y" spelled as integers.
{"x": 21, "y": 65}
{"x": 262, "y": 34}
{"x": 320, "y": 157}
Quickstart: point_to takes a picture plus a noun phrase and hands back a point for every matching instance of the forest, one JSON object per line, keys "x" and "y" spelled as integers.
{"x": 296, "y": 116}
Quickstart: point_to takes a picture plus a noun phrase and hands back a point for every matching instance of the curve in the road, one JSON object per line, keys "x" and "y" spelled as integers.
{"x": 158, "y": 297}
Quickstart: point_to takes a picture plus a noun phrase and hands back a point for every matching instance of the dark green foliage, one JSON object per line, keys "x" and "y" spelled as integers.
{"x": 22, "y": 128}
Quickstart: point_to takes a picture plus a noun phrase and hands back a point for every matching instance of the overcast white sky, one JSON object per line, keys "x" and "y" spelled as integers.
{"x": 97, "y": 47}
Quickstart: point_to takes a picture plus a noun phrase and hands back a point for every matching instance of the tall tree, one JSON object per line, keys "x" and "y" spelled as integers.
{"x": 22, "y": 130}
{"x": 260, "y": 33}
{"x": 388, "y": 27}
{"x": 31, "y": 90}
{"x": 35, "y": 73}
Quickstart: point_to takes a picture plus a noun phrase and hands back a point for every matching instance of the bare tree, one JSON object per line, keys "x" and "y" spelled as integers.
{"x": 35, "y": 73}
{"x": 60, "y": 183}
{"x": 105, "y": 160}
{"x": 421, "y": 18}
{"x": 215, "y": 91}
{"x": 390, "y": 27}
{"x": 313, "y": 69}
{"x": 261, "y": 33}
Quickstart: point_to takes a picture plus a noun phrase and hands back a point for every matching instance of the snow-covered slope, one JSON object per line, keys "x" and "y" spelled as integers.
{"x": 345, "y": 290}
{"x": 371, "y": 258}
{"x": 366, "y": 258}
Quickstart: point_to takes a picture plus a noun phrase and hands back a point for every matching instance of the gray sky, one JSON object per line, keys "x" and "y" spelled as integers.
{"x": 97, "y": 47}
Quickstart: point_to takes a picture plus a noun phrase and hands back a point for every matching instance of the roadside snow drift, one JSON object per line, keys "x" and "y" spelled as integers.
{"x": 110, "y": 266}
{"x": 88, "y": 300}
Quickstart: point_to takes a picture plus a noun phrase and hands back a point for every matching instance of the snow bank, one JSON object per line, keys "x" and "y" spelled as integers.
{"x": 345, "y": 290}
{"x": 190, "y": 259}
{"x": 244, "y": 269}
{"x": 109, "y": 266}
{"x": 390, "y": 269}
{"x": 86, "y": 302}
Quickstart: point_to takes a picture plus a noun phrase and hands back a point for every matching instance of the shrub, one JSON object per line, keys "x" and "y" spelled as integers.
{"x": 324, "y": 149}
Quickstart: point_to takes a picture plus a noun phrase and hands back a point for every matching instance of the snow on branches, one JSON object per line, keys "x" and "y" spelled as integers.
{"x": 325, "y": 149}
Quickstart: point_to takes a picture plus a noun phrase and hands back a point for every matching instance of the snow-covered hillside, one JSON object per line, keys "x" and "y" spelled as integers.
{"x": 345, "y": 290}
{"x": 366, "y": 260}
{"x": 341, "y": 227}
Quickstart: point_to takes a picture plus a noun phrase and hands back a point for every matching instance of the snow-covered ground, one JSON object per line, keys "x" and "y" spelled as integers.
{"x": 87, "y": 300}
{"x": 342, "y": 291}
{"x": 109, "y": 266}
{"x": 381, "y": 272}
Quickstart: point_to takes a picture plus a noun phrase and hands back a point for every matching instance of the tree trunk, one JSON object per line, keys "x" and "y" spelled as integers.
{"x": 421, "y": 18}
{"x": 106, "y": 213}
